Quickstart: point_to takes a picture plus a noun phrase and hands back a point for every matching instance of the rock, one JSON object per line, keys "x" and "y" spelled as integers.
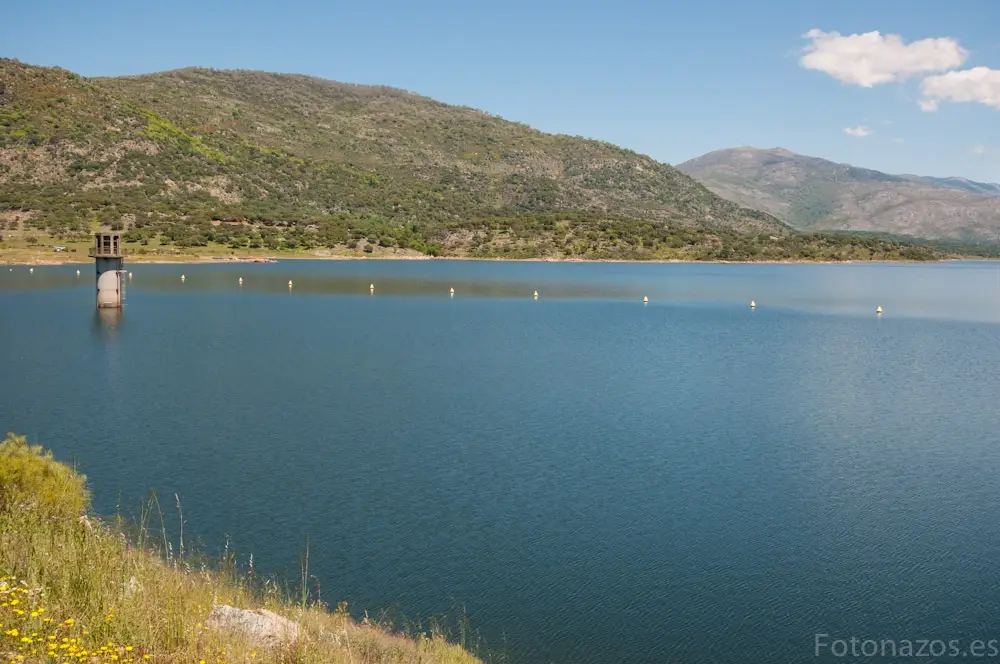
{"x": 260, "y": 626}
{"x": 85, "y": 522}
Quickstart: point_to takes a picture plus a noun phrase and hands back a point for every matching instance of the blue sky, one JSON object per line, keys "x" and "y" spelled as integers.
{"x": 669, "y": 79}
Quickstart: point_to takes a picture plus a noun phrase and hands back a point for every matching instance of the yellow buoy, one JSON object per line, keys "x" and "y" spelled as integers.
{"x": 371, "y": 287}
{"x": 645, "y": 300}
{"x": 129, "y": 275}
{"x": 878, "y": 309}
{"x": 753, "y": 305}
{"x": 452, "y": 291}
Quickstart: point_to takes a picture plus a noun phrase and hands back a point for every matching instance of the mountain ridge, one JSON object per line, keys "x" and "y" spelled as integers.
{"x": 310, "y": 163}
{"x": 812, "y": 193}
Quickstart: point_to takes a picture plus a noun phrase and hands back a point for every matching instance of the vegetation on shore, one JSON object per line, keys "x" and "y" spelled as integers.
{"x": 254, "y": 161}
{"x": 74, "y": 589}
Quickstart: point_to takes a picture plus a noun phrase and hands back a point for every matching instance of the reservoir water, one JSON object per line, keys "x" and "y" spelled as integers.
{"x": 594, "y": 479}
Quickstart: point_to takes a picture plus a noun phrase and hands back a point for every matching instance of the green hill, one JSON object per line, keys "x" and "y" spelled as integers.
{"x": 301, "y": 163}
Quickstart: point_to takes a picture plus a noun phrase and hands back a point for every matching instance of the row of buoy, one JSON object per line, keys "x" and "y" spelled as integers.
{"x": 451, "y": 291}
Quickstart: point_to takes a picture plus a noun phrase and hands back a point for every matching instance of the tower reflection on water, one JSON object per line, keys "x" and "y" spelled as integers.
{"x": 106, "y": 322}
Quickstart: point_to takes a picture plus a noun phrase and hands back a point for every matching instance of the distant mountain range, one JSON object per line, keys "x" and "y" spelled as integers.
{"x": 306, "y": 164}
{"x": 812, "y": 194}
{"x": 962, "y": 184}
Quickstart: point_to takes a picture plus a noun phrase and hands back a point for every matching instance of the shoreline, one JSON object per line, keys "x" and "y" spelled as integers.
{"x": 54, "y": 260}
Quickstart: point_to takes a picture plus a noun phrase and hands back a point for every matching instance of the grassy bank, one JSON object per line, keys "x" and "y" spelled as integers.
{"x": 74, "y": 589}
{"x": 20, "y": 253}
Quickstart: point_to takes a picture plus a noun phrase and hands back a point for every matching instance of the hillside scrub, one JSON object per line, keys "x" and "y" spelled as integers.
{"x": 75, "y": 589}
{"x": 287, "y": 163}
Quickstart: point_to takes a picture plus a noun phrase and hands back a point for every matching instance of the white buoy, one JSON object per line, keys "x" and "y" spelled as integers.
{"x": 129, "y": 275}
{"x": 182, "y": 277}
{"x": 241, "y": 280}
{"x": 78, "y": 273}
{"x": 31, "y": 269}
{"x": 452, "y": 291}
{"x": 289, "y": 283}
{"x": 536, "y": 295}
{"x": 753, "y": 305}
{"x": 371, "y": 287}
{"x": 645, "y": 300}
{"x": 878, "y": 310}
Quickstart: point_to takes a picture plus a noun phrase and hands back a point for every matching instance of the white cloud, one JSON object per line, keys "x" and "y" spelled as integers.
{"x": 978, "y": 149}
{"x": 873, "y": 58}
{"x": 979, "y": 84}
{"x": 860, "y": 131}
{"x": 928, "y": 105}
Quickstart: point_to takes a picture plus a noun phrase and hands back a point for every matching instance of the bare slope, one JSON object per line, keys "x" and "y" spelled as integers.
{"x": 812, "y": 193}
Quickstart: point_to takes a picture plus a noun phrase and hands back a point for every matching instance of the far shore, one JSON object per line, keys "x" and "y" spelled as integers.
{"x": 60, "y": 258}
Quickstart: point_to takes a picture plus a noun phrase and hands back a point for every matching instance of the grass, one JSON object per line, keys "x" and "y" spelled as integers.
{"x": 75, "y": 589}
{"x": 555, "y": 240}
{"x": 16, "y": 251}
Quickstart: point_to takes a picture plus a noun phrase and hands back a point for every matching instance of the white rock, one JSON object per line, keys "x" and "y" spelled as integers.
{"x": 260, "y": 626}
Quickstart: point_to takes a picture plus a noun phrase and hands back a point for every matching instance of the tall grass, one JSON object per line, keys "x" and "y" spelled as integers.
{"x": 75, "y": 589}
